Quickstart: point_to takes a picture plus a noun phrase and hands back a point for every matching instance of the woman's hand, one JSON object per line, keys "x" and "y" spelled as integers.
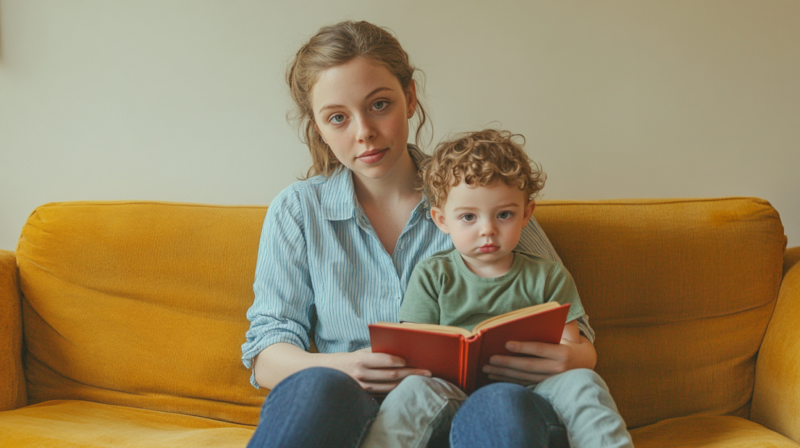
{"x": 377, "y": 373}
{"x": 544, "y": 360}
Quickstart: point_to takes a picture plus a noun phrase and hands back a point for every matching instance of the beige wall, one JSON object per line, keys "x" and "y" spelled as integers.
{"x": 185, "y": 101}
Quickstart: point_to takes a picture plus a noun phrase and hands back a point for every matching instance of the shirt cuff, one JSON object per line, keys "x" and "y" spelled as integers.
{"x": 585, "y": 329}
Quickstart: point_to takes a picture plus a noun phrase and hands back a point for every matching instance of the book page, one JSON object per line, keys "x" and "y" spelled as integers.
{"x": 499, "y": 320}
{"x": 428, "y": 327}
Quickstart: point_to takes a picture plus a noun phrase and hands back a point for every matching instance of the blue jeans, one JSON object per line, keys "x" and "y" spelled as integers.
{"x": 573, "y": 408}
{"x": 325, "y": 407}
{"x": 312, "y": 408}
{"x": 501, "y": 414}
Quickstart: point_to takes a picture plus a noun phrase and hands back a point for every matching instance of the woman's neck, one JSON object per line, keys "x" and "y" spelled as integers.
{"x": 399, "y": 184}
{"x": 389, "y": 201}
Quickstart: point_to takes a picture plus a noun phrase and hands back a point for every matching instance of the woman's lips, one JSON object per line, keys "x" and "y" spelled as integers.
{"x": 373, "y": 156}
{"x": 488, "y": 248}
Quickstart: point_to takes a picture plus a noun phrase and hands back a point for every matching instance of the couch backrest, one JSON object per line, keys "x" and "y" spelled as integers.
{"x": 141, "y": 304}
{"x": 679, "y": 292}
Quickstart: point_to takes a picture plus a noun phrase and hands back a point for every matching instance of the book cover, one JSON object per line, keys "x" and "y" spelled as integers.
{"x": 457, "y": 355}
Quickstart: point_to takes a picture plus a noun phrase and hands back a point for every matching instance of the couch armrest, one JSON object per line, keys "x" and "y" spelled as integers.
{"x": 12, "y": 376}
{"x": 777, "y": 388}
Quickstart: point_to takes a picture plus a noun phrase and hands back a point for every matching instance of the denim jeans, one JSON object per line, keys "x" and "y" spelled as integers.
{"x": 507, "y": 415}
{"x": 312, "y": 408}
{"x": 573, "y": 408}
{"x": 325, "y": 407}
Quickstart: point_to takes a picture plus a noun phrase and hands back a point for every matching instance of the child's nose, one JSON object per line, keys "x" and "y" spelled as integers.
{"x": 488, "y": 229}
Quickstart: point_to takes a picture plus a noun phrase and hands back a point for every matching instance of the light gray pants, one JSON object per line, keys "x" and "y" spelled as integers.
{"x": 421, "y": 409}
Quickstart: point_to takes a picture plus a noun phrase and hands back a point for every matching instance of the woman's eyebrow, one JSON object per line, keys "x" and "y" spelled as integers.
{"x": 335, "y": 106}
{"x": 379, "y": 89}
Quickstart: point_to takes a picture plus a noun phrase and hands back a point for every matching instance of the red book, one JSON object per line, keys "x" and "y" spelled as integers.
{"x": 457, "y": 355}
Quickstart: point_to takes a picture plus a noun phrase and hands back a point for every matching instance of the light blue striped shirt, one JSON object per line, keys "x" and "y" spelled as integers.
{"x": 321, "y": 263}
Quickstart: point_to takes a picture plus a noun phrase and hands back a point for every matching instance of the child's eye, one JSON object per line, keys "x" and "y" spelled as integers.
{"x": 336, "y": 118}
{"x": 468, "y": 217}
{"x": 380, "y": 105}
{"x": 505, "y": 215}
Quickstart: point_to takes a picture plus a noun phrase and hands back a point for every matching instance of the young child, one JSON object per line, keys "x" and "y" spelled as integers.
{"x": 481, "y": 188}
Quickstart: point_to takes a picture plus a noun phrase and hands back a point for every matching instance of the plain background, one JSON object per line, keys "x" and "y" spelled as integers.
{"x": 185, "y": 100}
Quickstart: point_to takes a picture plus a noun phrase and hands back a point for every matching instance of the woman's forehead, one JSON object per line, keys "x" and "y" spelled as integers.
{"x": 353, "y": 82}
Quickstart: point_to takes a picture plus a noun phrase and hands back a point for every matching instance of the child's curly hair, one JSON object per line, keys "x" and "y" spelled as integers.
{"x": 480, "y": 158}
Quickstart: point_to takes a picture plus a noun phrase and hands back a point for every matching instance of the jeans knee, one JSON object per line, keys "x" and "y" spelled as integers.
{"x": 506, "y": 414}
{"x": 499, "y": 393}
{"x": 318, "y": 383}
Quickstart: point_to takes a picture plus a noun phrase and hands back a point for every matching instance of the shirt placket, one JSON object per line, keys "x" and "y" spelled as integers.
{"x": 394, "y": 290}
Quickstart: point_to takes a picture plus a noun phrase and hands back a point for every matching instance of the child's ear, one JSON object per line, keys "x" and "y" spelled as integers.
{"x": 438, "y": 218}
{"x": 529, "y": 210}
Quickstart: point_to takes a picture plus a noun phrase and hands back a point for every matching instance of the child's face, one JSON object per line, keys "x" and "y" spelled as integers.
{"x": 484, "y": 222}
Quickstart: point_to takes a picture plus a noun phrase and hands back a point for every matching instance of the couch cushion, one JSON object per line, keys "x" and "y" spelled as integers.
{"x": 708, "y": 432}
{"x": 680, "y": 293}
{"x": 140, "y": 304}
{"x": 12, "y": 375}
{"x": 65, "y": 424}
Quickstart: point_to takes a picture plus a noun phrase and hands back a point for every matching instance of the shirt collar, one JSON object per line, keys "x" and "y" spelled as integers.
{"x": 338, "y": 195}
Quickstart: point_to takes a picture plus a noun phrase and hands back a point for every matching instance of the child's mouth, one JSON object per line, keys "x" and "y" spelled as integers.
{"x": 488, "y": 248}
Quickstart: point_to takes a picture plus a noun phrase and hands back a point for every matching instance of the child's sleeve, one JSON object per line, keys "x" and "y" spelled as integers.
{"x": 561, "y": 288}
{"x": 421, "y": 300}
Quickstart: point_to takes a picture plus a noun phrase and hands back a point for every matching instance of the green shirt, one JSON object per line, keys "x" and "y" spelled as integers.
{"x": 442, "y": 290}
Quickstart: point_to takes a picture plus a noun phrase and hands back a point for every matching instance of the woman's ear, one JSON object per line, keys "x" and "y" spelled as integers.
{"x": 437, "y": 215}
{"x": 411, "y": 99}
{"x": 320, "y": 133}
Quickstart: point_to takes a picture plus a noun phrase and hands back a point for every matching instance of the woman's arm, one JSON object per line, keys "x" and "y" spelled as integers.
{"x": 375, "y": 372}
{"x": 574, "y": 352}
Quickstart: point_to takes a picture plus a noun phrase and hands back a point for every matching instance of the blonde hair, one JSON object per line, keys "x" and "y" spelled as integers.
{"x": 335, "y": 45}
{"x": 480, "y": 158}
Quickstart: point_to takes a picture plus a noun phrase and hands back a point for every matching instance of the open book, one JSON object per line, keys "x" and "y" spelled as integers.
{"x": 458, "y": 355}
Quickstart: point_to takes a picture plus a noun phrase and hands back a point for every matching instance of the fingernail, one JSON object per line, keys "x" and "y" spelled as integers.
{"x": 428, "y": 374}
{"x": 512, "y": 346}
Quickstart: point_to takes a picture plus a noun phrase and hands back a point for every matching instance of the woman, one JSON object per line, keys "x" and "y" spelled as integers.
{"x": 337, "y": 250}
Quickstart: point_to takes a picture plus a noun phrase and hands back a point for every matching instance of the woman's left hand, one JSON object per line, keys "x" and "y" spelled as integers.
{"x": 543, "y": 360}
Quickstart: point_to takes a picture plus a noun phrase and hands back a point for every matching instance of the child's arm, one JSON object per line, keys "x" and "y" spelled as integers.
{"x": 574, "y": 352}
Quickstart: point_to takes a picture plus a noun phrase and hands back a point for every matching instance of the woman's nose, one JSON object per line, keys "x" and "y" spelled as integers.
{"x": 366, "y": 130}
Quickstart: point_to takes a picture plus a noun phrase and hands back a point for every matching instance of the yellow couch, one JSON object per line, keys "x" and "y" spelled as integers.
{"x": 121, "y": 323}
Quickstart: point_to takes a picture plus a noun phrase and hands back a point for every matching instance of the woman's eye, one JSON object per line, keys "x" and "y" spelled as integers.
{"x": 469, "y": 217}
{"x": 380, "y": 105}
{"x": 336, "y": 119}
{"x": 505, "y": 215}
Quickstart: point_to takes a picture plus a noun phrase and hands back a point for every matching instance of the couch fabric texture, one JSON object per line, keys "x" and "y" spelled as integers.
{"x": 121, "y": 322}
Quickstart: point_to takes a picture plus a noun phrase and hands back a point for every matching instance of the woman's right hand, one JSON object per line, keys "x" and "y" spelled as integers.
{"x": 377, "y": 373}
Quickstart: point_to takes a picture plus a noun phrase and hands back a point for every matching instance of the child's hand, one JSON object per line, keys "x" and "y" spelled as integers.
{"x": 573, "y": 352}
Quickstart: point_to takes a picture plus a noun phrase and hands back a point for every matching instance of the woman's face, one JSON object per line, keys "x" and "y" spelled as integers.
{"x": 362, "y": 113}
